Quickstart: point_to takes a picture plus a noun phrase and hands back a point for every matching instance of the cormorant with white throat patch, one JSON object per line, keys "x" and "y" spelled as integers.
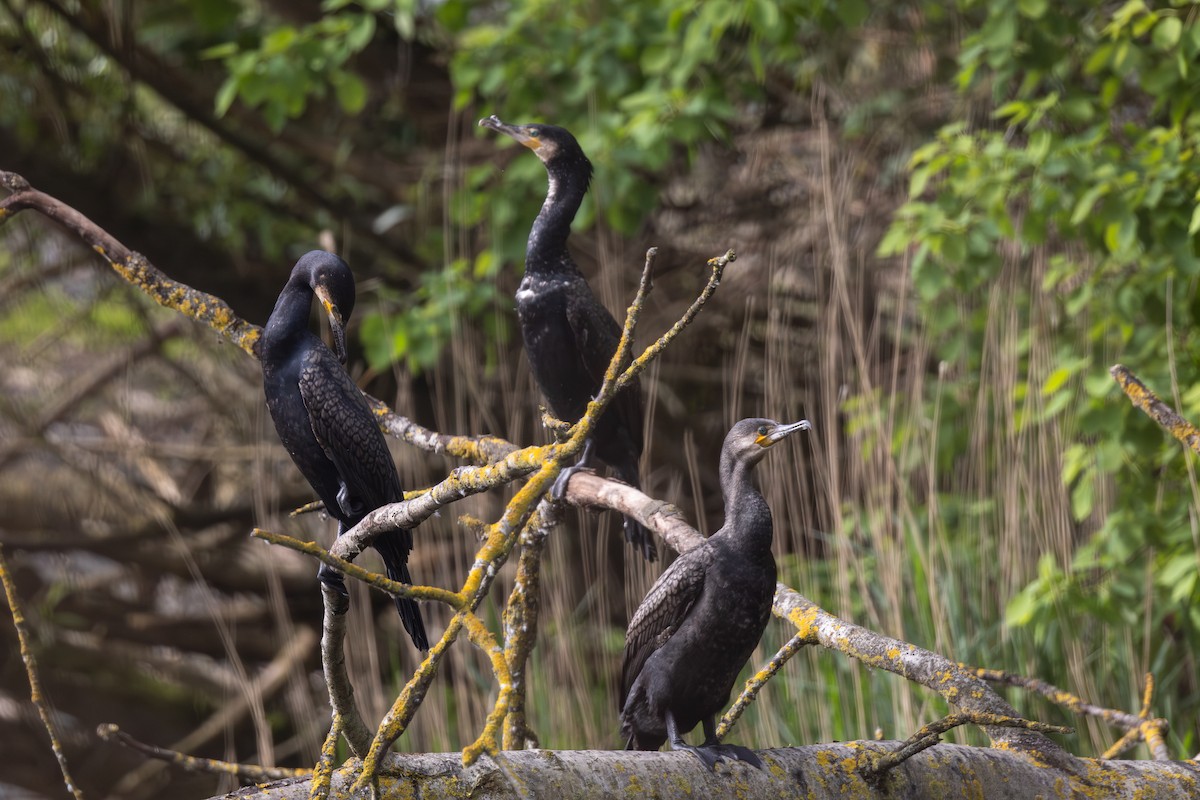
{"x": 570, "y": 337}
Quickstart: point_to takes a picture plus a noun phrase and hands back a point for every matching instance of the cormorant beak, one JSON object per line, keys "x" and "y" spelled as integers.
{"x": 782, "y": 432}
{"x": 515, "y": 131}
{"x": 336, "y": 325}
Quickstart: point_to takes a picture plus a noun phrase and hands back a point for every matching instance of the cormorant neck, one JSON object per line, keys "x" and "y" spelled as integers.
{"x": 289, "y": 320}
{"x": 546, "y": 251}
{"x": 747, "y": 515}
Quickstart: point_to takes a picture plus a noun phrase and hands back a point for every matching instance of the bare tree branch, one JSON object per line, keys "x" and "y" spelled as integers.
{"x": 35, "y": 685}
{"x": 247, "y": 772}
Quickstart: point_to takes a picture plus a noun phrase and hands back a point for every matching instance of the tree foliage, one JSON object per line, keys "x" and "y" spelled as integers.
{"x": 1082, "y": 181}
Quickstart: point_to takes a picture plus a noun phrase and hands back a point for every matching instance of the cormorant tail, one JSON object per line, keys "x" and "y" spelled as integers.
{"x": 395, "y": 564}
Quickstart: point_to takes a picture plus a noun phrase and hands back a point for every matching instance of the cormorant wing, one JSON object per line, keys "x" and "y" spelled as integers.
{"x": 663, "y": 610}
{"x": 347, "y": 431}
{"x": 597, "y": 335}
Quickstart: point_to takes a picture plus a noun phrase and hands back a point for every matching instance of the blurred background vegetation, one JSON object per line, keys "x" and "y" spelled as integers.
{"x": 951, "y": 219}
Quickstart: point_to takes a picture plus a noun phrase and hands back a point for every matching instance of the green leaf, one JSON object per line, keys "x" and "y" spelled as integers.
{"x": 1055, "y": 380}
{"x": 1034, "y": 9}
{"x": 1166, "y": 33}
{"x": 360, "y": 33}
{"x": 1083, "y": 496}
{"x": 351, "y": 91}
{"x": 1084, "y": 207}
{"x": 229, "y": 89}
{"x": 223, "y": 50}
{"x": 279, "y": 40}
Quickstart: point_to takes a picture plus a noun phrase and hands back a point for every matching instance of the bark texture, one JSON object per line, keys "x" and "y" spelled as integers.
{"x": 812, "y": 772}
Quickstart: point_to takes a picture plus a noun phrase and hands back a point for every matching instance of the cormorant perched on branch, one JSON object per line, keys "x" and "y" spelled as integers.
{"x": 704, "y": 615}
{"x": 570, "y": 337}
{"x": 324, "y": 421}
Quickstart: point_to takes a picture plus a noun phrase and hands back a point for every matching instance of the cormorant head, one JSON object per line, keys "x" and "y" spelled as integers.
{"x": 551, "y": 143}
{"x": 749, "y": 439}
{"x": 332, "y": 282}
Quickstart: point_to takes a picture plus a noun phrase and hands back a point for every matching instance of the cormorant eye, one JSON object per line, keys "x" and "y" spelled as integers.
{"x": 534, "y": 132}
{"x": 762, "y": 430}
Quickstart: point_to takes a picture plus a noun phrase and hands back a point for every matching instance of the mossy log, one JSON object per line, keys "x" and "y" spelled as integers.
{"x": 812, "y": 772}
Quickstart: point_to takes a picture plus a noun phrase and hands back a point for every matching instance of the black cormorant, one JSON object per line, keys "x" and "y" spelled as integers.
{"x": 704, "y": 615}
{"x": 570, "y": 337}
{"x": 324, "y": 421}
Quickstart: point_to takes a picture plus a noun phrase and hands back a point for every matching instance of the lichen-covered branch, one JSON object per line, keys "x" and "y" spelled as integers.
{"x": 521, "y": 614}
{"x": 215, "y": 313}
{"x": 1138, "y": 727}
{"x": 35, "y": 685}
{"x": 417, "y": 592}
{"x": 1156, "y": 409}
{"x": 396, "y": 721}
{"x": 460, "y": 483}
{"x": 489, "y": 738}
{"x": 756, "y": 682}
{"x": 928, "y": 735}
{"x": 246, "y": 772}
{"x": 130, "y": 265}
{"x": 812, "y": 772}
{"x": 652, "y": 352}
{"x": 323, "y": 774}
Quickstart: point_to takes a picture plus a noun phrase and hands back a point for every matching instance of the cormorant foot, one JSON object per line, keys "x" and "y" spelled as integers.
{"x": 559, "y": 490}
{"x": 333, "y": 579}
{"x": 641, "y": 539}
{"x": 711, "y": 754}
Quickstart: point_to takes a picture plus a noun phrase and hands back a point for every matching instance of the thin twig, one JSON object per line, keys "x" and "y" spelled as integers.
{"x": 394, "y": 588}
{"x": 35, "y": 685}
{"x": 521, "y": 614}
{"x": 489, "y": 738}
{"x": 652, "y": 352}
{"x": 1140, "y": 727}
{"x": 323, "y": 774}
{"x": 929, "y": 735}
{"x": 248, "y": 772}
{"x": 757, "y": 682}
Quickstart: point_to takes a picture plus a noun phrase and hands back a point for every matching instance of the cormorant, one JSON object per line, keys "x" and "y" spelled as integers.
{"x": 702, "y": 618}
{"x": 324, "y": 421}
{"x": 570, "y": 337}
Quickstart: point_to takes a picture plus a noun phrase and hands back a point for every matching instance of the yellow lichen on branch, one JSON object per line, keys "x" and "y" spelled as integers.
{"x": 1138, "y": 727}
{"x": 489, "y": 739}
{"x": 757, "y": 681}
{"x": 395, "y": 588}
{"x": 323, "y": 774}
{"x": 876, "y": 763}
{"x": 521, "y": 614}
{"x": 1166, "y": 417}
{"x": 248, "y": 772}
